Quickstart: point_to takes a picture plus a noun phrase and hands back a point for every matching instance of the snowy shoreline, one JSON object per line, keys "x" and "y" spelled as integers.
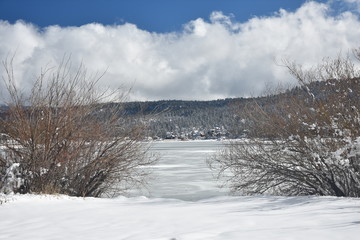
{"x": 184, "y": 203}
{"x": 259, "y": 217}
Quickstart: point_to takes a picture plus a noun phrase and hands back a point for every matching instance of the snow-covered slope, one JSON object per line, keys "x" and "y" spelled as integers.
{"x": 59, "y": 217}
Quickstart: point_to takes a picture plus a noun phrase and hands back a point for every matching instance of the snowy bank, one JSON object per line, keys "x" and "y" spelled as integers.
{"x": 59, "y": 217}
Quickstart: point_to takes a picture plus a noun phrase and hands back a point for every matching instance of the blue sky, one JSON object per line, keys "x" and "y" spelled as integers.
{"x": 152, "y": 15}
{"x": 177, "y": 49}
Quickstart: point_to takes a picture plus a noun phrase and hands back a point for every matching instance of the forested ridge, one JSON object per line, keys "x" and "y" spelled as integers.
{"x": 222, "y": 118}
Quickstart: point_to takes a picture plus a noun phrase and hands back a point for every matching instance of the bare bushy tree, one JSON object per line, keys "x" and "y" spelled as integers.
{"x": 302, "y": 142}
{"x": 62, "y": 138}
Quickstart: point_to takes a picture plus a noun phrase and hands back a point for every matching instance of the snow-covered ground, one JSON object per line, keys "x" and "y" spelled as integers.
{"x": 181, "y": 204}
{"x": 45, "y": 217}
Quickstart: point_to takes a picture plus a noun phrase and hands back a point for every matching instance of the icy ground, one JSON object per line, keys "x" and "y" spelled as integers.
{"x": 182, "y": 203}
{"x": 182, "y": 172}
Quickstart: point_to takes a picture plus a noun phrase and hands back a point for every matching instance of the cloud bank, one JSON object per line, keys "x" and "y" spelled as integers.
{"x": 206, "y": 60}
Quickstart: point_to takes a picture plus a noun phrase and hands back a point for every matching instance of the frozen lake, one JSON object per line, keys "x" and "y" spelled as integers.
{"x": 182, "y": 172}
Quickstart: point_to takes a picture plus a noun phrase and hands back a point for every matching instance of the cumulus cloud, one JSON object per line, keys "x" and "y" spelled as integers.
{"x": 206, "y": 60}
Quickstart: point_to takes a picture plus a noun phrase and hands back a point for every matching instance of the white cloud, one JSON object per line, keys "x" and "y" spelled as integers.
{"x": 207, "y": 60}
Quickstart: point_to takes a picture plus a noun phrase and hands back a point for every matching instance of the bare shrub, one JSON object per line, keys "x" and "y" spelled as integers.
{"x": 62, "y": 138}
{"x": 302, "y": 142}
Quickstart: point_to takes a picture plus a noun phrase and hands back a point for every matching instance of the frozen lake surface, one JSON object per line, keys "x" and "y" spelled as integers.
{"x": 182, "y": 172}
